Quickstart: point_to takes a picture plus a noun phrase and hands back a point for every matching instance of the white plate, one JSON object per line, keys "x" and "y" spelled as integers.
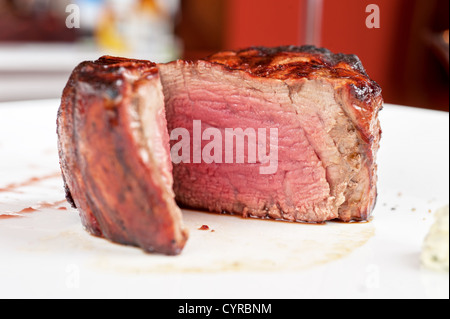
{"x": 47, "y": 254}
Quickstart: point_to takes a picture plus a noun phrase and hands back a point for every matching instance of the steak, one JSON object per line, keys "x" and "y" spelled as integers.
{"x": 114, "y": 154}
{"x": 325, "y": 110}
{"x": 286, "y": 133}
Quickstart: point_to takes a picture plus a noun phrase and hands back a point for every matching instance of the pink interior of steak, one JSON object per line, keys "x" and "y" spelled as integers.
{"x": 317, "y": 145}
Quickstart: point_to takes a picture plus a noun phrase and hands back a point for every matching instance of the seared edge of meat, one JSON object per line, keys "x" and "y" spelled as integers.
{"x": 116, "y": 168}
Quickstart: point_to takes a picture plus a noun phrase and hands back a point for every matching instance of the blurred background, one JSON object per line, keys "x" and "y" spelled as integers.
{"x": 41, "y": 41}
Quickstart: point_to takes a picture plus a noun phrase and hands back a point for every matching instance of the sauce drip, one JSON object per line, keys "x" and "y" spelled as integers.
{"x": 8, "y": 216}
{"x": 34, "y": 180}
{"x": 28, "y": 210}
{"x": 29, "y": 182}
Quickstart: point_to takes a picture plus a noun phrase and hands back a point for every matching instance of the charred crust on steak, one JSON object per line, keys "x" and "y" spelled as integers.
{"x": 296, "y": 62}
{"x": 69, "y": 197}
{"x": 107, "y": 70}
{"x": 116, "y": 64}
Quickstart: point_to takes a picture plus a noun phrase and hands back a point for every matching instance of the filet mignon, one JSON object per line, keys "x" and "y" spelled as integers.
{"x": 288, "y": 133}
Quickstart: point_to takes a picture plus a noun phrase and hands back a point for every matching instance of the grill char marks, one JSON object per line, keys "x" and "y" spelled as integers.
{"x": 290, "y": 62}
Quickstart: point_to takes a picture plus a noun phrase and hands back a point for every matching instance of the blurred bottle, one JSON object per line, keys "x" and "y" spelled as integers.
{"x": 139, "y": 28}
{"x": 108, "y": 33}
{"x": 90, "y": 13}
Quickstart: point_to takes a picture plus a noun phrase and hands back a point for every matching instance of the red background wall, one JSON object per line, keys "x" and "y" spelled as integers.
{"x": 264, "y": 22}
{"x": 398, "y": 55}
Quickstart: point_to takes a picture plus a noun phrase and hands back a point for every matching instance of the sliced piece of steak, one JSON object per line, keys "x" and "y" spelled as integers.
{"x": 324, "y": 108}
{"x": 114, "y": 154}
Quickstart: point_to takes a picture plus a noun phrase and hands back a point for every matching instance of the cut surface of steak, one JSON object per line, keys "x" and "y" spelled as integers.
{"x": 114, "y": 154}
{"x": 324, "y": 108}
